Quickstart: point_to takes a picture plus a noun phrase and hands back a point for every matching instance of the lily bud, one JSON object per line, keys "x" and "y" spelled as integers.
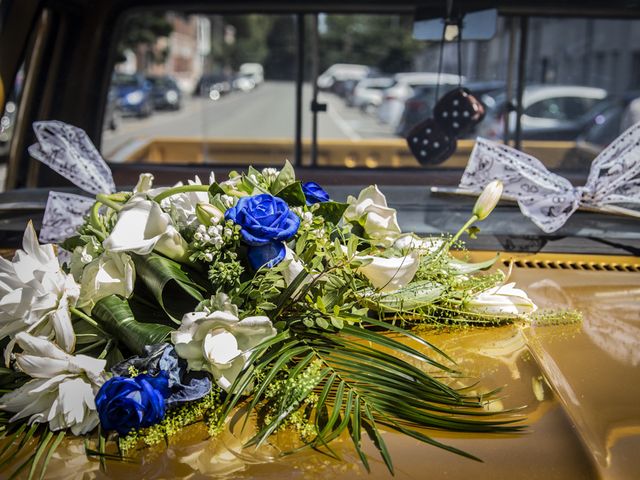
{"x": 502, "y": 300}
{"x": 145, "y": 182}
{"x": 208, "y": 214}
{"x": 488, "y": 199}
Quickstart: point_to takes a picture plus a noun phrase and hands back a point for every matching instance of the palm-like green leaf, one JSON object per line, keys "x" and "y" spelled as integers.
{"x": 17, "y": 443}
{"x": 115, "y": 317}
{"x": 364, "y": 383}
{"x": 170, "y": 284}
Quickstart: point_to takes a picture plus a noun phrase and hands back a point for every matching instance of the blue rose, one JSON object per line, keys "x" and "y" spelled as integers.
{"x": 266, "y": 223}
{"x": 126, "y": 404}
{"x": 314, "y": 193}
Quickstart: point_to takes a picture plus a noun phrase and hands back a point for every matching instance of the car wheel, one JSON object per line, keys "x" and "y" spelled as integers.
{"x": 114, "y": 121}
{"x": 145, "y": 111}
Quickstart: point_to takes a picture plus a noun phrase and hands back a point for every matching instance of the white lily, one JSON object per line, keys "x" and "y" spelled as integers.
{"x": 389, "y": 274}
{"x": 219, "y": 342}
{"x": 62, "y": 390}
{"x": 370, "y": 210}
{"x": 143, "y": 226}
{"x": 502, "y": 300}
{"x": 110, "y": 274}
{"x": 35, "y": 294}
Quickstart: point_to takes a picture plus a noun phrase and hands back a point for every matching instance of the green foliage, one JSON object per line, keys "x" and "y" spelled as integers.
{"x": 114, "y": 315}
{"x": 331, "y": 211}
{"x": 382, "y": 41}
{"x": 26, "y": 452}
{"x": 170, "y": 283}
{"x": 143, "y": 29}
{"x": 326, "y": 383}
{"x": 293, "y": 194}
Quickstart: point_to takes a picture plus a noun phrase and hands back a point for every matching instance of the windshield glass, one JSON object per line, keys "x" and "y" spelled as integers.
{"x": 244, "y": 88}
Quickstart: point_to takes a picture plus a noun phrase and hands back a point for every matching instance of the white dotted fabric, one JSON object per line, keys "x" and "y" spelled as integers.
{"x": 69, "y": 151}
{"x": 63, "y": 215}
{"x": 549, "y": 199}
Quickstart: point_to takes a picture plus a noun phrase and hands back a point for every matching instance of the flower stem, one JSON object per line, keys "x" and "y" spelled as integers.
{"x": 471, "y": 221}
{"x": 95, "y": 220}
{"x": 80, "y": 314}
{"x": 180, "y": 189}
{"x": 106, "y": 200}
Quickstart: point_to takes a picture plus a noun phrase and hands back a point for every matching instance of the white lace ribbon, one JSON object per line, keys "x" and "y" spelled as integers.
{"x": 68, "y": 150}
{"x": 549, "y": 199}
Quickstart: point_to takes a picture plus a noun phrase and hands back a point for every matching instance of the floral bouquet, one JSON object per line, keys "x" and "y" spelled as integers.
{"x": 258, "y": 295}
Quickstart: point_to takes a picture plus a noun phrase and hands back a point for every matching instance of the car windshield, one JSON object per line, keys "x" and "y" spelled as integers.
{"x": 235, "y": 71}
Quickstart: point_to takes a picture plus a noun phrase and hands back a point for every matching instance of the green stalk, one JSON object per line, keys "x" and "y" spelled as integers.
{"x": 181, "y": 189}
{"x": 86, "y": 318}
{"x": 471, "y": 221}
{"x": 106, "y": 200}
{"x": 95, "y": 221}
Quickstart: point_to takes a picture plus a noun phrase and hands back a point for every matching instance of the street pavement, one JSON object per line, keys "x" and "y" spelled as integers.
{"x": 267, "y": 112}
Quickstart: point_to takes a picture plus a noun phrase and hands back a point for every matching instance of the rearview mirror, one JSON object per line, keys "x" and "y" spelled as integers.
{"x": 475, "y": 26}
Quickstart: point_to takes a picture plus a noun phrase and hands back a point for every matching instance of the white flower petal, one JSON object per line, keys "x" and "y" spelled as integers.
{"x": 219, "y": 342}
{"x": 389, "y": 274}
{"x": 370, "y": 210}
{"x": 502, "y": 300}
{"x": 220, "y": 347}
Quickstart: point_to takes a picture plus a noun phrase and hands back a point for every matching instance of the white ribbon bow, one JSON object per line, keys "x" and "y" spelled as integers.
{"x": 549, "y": 199}
{"x": 69, "y": 151}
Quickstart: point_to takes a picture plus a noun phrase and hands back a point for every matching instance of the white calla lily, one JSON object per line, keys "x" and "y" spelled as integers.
{"x": 502, "y": 300}
{"x": 377, "y": 219}
{"x": 35, "y": 294}
{"x": 389, "y": 274}
{"x": 219, "y": 342}
{"x": 62, "y": 389}
{"x": 112, "y": 273}
{"x": 143, "y": 226}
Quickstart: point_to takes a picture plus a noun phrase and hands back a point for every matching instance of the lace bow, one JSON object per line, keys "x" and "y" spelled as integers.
{"x": 549, "y": 199}
{"x": 68, "y": 150}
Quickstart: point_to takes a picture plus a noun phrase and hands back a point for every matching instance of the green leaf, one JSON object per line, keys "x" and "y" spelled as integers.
{"x": 170, "y": 283}
{"x": 411, "y": 297}
{"x": 331, "y": 211}
{"x": 463, "y": 268}
{"x": 286, "y": 177}
{"x": 71, "y": 243}
{"x": 215, "y": 189}
{"x": 337, "y": 322}
{"x": 114, "y": 315}
{"x": 42, "y": 446}
{"x": 266, "y": 306}
{"x": 50, "y": 452}
{"x": 293, "y": 195}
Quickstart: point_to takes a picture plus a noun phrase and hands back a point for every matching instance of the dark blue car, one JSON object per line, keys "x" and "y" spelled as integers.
{"x": 134, "y": 94}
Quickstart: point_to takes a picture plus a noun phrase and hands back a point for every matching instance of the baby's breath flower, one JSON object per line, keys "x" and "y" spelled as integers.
{"x": 270, "y": 174}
